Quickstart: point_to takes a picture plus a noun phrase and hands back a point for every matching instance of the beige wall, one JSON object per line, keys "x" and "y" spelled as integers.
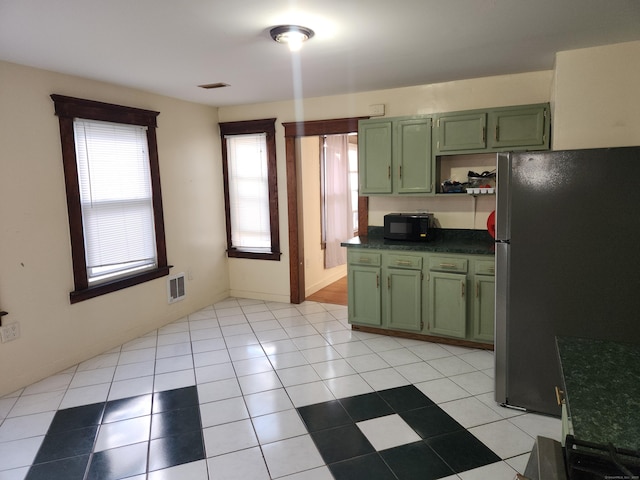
{"x": 270, "y": 280}
{"x": 35, "y": 261}
{"x": 594, "y": 98}
{"x": 597, "y": 97}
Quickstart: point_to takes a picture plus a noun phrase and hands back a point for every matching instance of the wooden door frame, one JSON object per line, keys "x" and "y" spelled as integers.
{"x": 293, "y": 130}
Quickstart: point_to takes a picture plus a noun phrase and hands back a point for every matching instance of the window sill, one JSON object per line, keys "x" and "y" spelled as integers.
{"x": 119, "y": 284}
{"x": 235, "y": 253}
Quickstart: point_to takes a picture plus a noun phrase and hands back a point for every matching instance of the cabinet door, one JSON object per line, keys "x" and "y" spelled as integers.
{"x": 519, "y": 127}
{"x": 413, "y": 156}
{"x": 483, "y": 308}
{"x": 459, "y": 132}
{"x": 404, "y": 299}
{"x": 363, "y": 285}
{"x": 374, "y": 156}
{"x": 448, "y": 301}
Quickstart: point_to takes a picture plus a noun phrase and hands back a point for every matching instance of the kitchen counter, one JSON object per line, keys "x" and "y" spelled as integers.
{"x": 602, "y": 390}
{"x": 471, "y": 242}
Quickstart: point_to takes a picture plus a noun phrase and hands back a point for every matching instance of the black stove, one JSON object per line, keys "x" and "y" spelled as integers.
{"x": 591, "y": 461}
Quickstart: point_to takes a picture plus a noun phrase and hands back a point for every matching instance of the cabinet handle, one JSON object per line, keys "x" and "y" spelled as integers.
{"x": 447, "y": 265}
{"x": 559, "y": 396}
{"x": 462, "y": 289}
{"x": 389, "y": 172}
{"x": 497, "y": 133}
{"x": 377, "y": 281}
{"x": 405, "y": 263}
{"x": 400, "y": 172}
{"x": 389, "y": 282}
{"x": 477, "y": 289}
{"x": 484, "y": 134}
{"x": 365, "y": 260}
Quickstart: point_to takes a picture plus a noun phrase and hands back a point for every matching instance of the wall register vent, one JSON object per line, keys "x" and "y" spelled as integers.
{"x": 175, "y": 287}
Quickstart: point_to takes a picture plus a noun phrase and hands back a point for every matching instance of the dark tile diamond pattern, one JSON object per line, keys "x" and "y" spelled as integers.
{"x": 174, "y": 438}
{"x": 446, "y": 447}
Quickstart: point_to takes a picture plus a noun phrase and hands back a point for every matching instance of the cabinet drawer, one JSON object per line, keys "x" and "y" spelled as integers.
{"x": 404, "y": 261}
{"x": 364, "y": 258}
{"x": 448, "y": 264}
{"x": 485, "y": 267}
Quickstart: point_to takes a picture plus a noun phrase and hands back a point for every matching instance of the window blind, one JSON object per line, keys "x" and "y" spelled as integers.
{"x": 115, "y": 197}
{"x": 249, "y": 192}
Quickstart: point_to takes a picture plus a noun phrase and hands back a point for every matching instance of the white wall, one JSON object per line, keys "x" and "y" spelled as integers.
{"x": 35, "y": 256}
{"x": 597, "y": 97}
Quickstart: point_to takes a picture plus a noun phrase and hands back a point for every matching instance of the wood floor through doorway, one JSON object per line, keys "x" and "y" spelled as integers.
{"x": 335, "y": 293}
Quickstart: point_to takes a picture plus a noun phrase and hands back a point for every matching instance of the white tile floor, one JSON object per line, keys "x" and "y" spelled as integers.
{"x": 253, "y": 362}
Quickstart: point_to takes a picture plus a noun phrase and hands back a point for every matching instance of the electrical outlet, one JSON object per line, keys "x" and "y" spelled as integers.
{"x": 9, "y": 332}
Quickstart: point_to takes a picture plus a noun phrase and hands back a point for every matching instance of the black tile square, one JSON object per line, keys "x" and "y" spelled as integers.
{"x": 366, "y": 467}
{"x": 175, "y": 422}
{"x": 175, "y": 399}
{"x": 430, "y": 421}
{"x": 175, "y": 450}
{"x": 462, "y": 451}
{"x": 405, "y": 398}
{"x": 366, "y": 407}
{"x": 72, "y": 468}
{"x": 127, "y": 408}
{"x": 415, "y": 460}
{"x": 341, "y": 443}
{"x": 118, "y": 463}
{"x": 324, "y": 415}
{"x": 77, "y": 417}
{"x": 67, "y": 444}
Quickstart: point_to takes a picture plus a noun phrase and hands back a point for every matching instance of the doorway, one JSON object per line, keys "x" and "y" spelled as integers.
{"x": 293, "y": 131}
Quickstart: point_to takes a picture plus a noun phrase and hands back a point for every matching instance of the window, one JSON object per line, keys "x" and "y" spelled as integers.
{"x": 250, "y": 189}
{"x": 113, "y": 195}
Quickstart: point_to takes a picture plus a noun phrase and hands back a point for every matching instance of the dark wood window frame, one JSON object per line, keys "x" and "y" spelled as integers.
{"x": 246, "y": 127}
{"x": 68, "y": 108}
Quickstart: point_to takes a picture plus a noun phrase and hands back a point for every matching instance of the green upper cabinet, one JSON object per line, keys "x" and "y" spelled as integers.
{"x": 519, "y": 127}
{"x": 524, "y": 127}
{"x": 394, "y": 155}
{"x": 413, "y": 155}
{"x": 461, "y": 131}
{"x": 374, "y": 156}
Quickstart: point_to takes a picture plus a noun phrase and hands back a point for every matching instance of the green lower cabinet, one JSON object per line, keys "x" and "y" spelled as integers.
{"x": 364, "y": 295}
{"x": 404, "y": 299}
{"x": 483, "y": 308}
{"x": 448, "y": 304}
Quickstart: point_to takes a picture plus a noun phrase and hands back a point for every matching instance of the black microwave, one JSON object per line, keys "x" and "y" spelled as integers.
{"x": 412, "y": 227}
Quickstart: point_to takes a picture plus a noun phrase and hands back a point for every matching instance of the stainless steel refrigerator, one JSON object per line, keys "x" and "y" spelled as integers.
{"x": 567, "y": 263}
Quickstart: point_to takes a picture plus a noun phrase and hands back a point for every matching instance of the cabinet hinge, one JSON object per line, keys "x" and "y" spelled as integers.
{"x": 438, "y": 123}
{"x": 421, "y": 324}
{"x": 438, "y": 145}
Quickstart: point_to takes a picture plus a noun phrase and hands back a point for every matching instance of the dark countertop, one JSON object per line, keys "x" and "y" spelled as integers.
{"x": 470, "y": 242}
{"x": 602, "y": 390}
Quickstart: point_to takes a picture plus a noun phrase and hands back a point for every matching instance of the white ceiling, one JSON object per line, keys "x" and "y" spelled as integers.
{"x": 172, "y": 46}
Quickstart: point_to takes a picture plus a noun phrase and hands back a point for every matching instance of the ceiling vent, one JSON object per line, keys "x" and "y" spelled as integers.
{"x": 175, "y": 288}
{"x": 211, "y": 86}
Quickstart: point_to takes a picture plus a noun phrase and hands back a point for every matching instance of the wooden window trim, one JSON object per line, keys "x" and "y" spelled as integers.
{"x": 68, "y": 108}
{"x": 266, "y": 126}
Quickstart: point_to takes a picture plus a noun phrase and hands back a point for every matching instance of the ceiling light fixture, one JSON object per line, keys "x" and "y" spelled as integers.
{"x": 292, "y": 35}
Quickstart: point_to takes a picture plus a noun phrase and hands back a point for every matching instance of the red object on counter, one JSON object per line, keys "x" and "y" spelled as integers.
{"x": 491, "y": 224}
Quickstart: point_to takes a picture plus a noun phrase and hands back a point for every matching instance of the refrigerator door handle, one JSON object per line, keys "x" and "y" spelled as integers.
{"x": 501, "y": 320}
{"x": 503, "y": 197}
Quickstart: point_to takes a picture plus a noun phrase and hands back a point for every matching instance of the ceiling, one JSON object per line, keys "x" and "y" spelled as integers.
{"x": 170, "y": 47}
